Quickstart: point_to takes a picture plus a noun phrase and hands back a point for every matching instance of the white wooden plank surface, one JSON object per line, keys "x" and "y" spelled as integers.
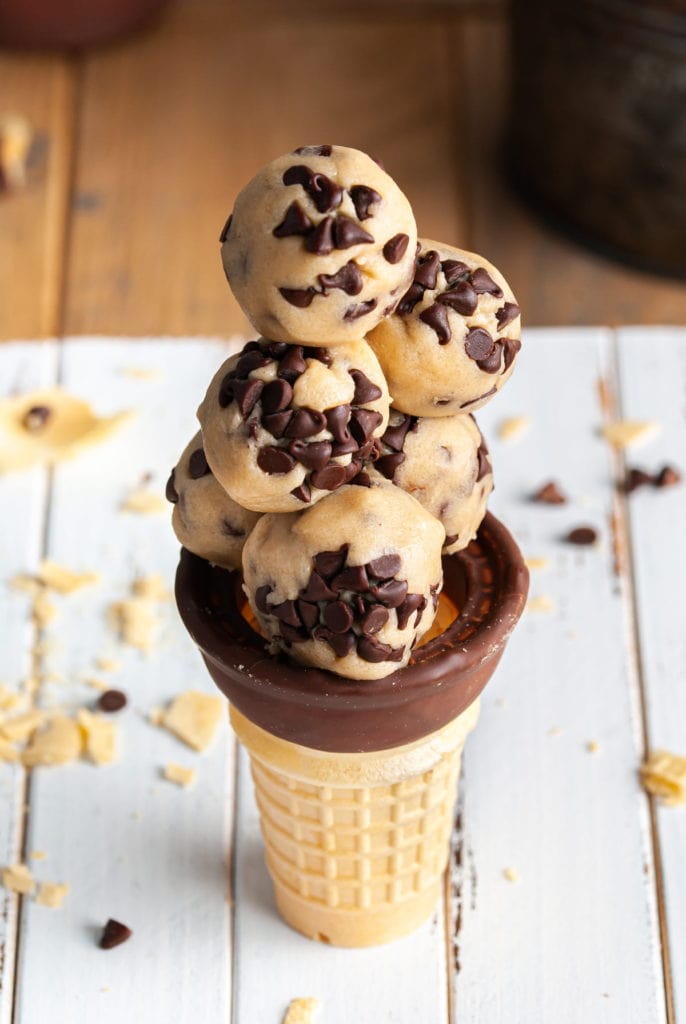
{"x": 576, "y": 939}
{"x": 22, "y": 512}
{"x": 652, "y": 377}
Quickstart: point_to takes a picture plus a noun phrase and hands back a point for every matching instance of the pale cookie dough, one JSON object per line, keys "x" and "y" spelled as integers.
{"x": 350, "y": 584}
{"x": 205, "y": 519}
{"x": 320, "y": 246}
{"x": 284, "y": 425}
{"x": 47, "y": 426}
{"x": 444, "y": 464}
{"x": 454, "y": 337}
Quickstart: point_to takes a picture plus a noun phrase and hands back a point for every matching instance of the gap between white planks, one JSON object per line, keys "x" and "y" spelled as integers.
{"x": 576, "y": 938}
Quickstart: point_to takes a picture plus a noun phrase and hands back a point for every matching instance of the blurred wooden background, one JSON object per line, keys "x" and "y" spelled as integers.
{"x": 142, "y": 146}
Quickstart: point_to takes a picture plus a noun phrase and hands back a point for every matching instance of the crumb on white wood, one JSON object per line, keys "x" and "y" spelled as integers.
{"x": 513, "y": 428}
{"x": 302, "y": 1010}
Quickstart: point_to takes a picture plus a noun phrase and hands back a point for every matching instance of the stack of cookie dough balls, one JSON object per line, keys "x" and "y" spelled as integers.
{"x": 337, "y": 458}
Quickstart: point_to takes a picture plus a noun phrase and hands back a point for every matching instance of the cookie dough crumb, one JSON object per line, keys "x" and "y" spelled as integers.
{"x": 9, "y": 700}
{"x": 51, "y": 894}
{"x": 555, "y": 730}
{"x": 592, "y": 746}
{"x": 96, "y": 684}
{"x": 511, "y": 874}
{"x": 63, "y": 580}
{"x": 501, "y": 702}
{"x": 99, "y": 737}
{"x": 19, "y": 728}
{"x": 302, "y": 1011}
{"x": 144, "y": 503}
{"x": 540, "y": 603}
{"x": 136, "y": 621}
{"x": 178, "y": 774}
{"x": 151, "y": 588}
{"x": 193, "y": 716}
{"x": 139, "y": 372}
{"x": 537, "y": 562}
{"x": 38, "y": 855}
{"x": 664, "y": 775}
{"x": 43, "y": 610}
{"x": 8, "y": 753}
{"x": 18, "y": 878}
{"x": 155, "y": 716}
{"x": 513, "y": 428}
{"x": 627, "y": 433}
{"x": 59, "y": 742}
{"x": 108, "y": 664}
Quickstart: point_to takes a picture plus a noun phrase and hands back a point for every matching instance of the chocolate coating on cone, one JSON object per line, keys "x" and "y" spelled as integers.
{"x": 488, "y": 582}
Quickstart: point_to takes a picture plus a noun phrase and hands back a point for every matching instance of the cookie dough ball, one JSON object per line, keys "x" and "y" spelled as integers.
{"x": 350, "y": 584}
{"x": 444, "y": 464}
{"x": 205, "y": 519}
{"x": 285, "y": 425}
{"x": 454, "y": 337}
{"x": 320, "y": 246}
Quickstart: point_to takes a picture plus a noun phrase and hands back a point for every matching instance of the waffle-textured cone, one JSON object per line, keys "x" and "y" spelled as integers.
{"x": 356, "y": 844}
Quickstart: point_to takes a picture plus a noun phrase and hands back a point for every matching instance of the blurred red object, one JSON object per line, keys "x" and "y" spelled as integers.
{"x": 68, "y": 24}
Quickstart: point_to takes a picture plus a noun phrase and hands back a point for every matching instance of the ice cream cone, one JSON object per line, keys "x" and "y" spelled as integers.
{"x": 356, "y": 844}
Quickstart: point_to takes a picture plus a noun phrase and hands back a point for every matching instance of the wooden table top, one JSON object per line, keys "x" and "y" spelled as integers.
{"x": 143, "y": 145}
{"x": 565, "y": 897}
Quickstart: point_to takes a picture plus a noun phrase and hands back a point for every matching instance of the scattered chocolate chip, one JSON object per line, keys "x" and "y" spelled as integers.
{"x": 426, "y": 271}
{"x": 305, "y": 423}
{"x": 637, "y": 478}
{"x": 582, "y": 535}
{"x": 395, "y": 248}
{"x": 292, "y": 364}
{"x": 275, "y": 460}
{"x": 549, "y": 494}
{"x": 337, "y": 422}
{"x": 330, "y": 478}
{"x": 668, "y": 477}
{"x": 384, "y": 567}
{"x": 392, "y": 593}
{"x": 286, "y": 612}
{"x": 354, "y": 577}
{"x": 261, "y": 595}
{"x": 478, "y": 344}
{"x": 316, "y": 590}
{"x": 300, "y": 297}
{"x": 113, "y": 934}
{"x": 295, "y": 222}
{"x": 303, "y": 492}
{"x": 375, "y": 619}
{"x": 321, "y": 240}
{"x": 412, "y": 603}
{"x": 454, "y": 270}
{"x": 506, "y": 314}
{"x": 347, "y": 232}
{"x": 246, "y": 394}
{"x": 328, "y": 563}
{"x": 313, "y": 151}
{"x": 462, "y": 298}
{"x": 413, "y": 295}
{"x": 365, "y": 389}
{"x": 348, "y": 279}
{"x": 338, "y": 617}
{"x": 315, "y": 455}
{"x": 112, "y": 700}
{"x": 483, "y": 283}
{"x": 324, "y": 193}
{"x": 276, "y": 396}
{"x": 225, "y": 230}
{"x": 309, "y": 614}
{"x": 359, "y": 310}
{"x": 197, "y": 465}
{"x": 363, "y": 197}
{"x": 341, "y": 643}
{"x": 363, "y": 423}
{"x": 277, "y": 422}
{"x": 36, "y": 418}
{"x": 170, "y": 491}
{"x": 387, "y": 465}
{"x": 436, "y": 317}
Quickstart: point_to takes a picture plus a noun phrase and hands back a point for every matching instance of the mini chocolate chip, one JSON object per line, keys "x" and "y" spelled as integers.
{"x": 313, "y": 151}
{"x": 549, "y": 494}
{"x": 359, "y": 309}
{"x": 226, "y": 390}
{"x": 251, "y": 346}
{"x": 413, "y": 295}
{"x": 330, "y": 478}
{"x": 375, "y": 619}
{"x": 361, "y": 479}
{"x": 462, "y": 298}
{"x": 246, "y": 394}
{"x": 492, "y": 362}
{"x": 306, "y": 423}
{"x": 292, "y": 364}
{"x": 351, "y": 470}
{"x": 309, "y": 614}
{"x": 347, "y": 232}
{"x": 454, "y": 270}
{"x": 483, "y": 283}
{"x": 348, "y": 279}
{"x": 478, "y": 344}
{"x": 363, "y": 197}
{"x": 337, "y": 422}
{"x": 371, "y": 450}
{"x": 328, "y": 563}
{"x": 112, "y": 700}
{"x": 391, "y": 594}
{"x": 197, "y": 464}
{"x": 113, "y": 934}
{"x": 251, "y": 359}
{"x": 341, "y": 643}
{"x": 348, "y": 447}
{"x": 276, "y": 422}
{"x": 291, "y": 633}
{"x": 36, "y": 418}
{"x": 315, "y": 455}
{"x": 295, "y": 222}
{"x": 321, "y": 240}
{"x": 277, "y": 349}
{"x": 363, "y": 422}
{"x": 506, "y": 314}
{"x": 436, "y": 317}
{"x": 412, "y": 603}
{"x": 394, "y": 435}
{"x": 483, "y": 464}
{"x": 277, "y": 395}
{"x": 337, "y": 616}
{"x": 303, "y": 492}
{"x": 365, "y": 389}
{"x": 170, "y": 491}
{"x": 370, "y": 649}
{"x": 582, "y": 535}
{"x": 637, "y": 478}
{"x": 252, "y": 427}
{"x": 316, "y": 590}
{"x": 426, "y": 271}
{"x": 395, "y": 248}
{"x": 225, "y": 230}
{"x": 324, "y": 193}
{"x": 286, "y": 612}
{"x": 668, "y": 477}
{"x": 320, "y": 353}
{"x": 354, "y": 577}
{"x": 387, "y": 465}
{"x": 300, "y": 297}
{"x": 385, "y": 566}
{"x": 275, "y": 460}
{"x": 261, "y": 595}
